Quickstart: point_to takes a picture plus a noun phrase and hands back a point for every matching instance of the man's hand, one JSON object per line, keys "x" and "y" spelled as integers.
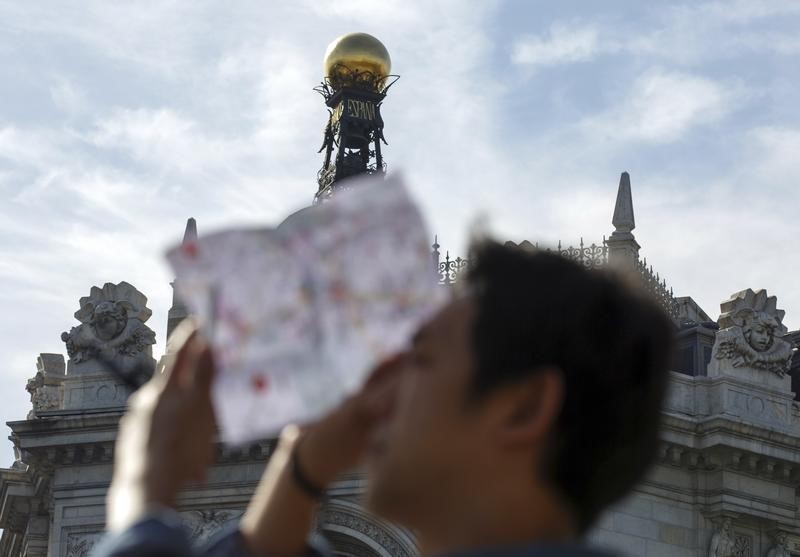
{"x": 337, "y": 443}
{"x": 278, "y": 519}
{"x": 166, "y": 437}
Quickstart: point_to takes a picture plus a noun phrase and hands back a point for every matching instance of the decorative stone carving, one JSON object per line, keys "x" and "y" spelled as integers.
{"x": 43, "y": 397}
{"x": 368, "y": 528}
{"x": 743, "y": 546}
{"x": 750, "y": 336}
{"x": 45, "y": 387}
{"x": 81, "y": 545}
{"x": 203, "y": 524}
{"x": 781, "y": 547}
{"x": 112, "y": 330}
{"x": 722, "y": 542}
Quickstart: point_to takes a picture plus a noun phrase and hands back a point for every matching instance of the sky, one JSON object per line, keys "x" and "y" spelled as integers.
{"x": 120, "y": 120}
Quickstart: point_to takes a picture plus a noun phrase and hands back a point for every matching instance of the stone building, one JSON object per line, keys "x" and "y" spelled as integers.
{"x": 725, "y": 484}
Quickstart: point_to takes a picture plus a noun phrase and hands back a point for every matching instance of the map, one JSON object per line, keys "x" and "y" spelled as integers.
{"x": 298, "y": 315}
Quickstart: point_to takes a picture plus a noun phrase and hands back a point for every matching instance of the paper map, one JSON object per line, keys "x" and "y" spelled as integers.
{"x": 298, "y": 315}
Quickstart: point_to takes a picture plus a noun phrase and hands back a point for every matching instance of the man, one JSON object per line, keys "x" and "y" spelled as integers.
{"x": 524, "y": 408}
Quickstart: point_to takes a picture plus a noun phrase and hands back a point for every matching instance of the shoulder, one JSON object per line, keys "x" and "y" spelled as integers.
{"x": 148, "y": 538}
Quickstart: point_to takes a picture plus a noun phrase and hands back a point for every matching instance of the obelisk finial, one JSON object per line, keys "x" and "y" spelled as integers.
{"x": 190, "y": 234}
{"x": 623, "y": 250}
{"x": 623, "y": 220}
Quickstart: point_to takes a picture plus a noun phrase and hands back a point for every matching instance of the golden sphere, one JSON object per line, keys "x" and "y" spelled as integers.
{"x": 359, "y": 52}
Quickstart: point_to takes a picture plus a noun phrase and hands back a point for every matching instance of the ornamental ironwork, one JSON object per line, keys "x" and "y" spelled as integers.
{"x": 449, "y": 269}
{"x": 591, "y": 256}
{"x": 657, "y": 287}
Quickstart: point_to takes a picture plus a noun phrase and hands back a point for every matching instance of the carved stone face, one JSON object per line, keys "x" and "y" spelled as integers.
{"x": 759, "y": 336}
{"x": 109, "y": 320}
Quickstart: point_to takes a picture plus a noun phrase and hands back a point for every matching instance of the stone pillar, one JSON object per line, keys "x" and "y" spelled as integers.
{"x": 178, "y": 312}
{"x": 623, "y": 250}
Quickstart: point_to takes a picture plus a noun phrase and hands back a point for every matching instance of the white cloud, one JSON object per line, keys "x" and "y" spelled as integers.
{"x": 776, "y": 149}
{"x": 686, "y": 34}
{"x": 161, "y": 137}
{"x": 67, "y": 96}
{"x": 29, "y": 147}
{"x": 695, "y": 33}
{"x": 564, "y": 43}
{"x": 662, "y": 106}
{"x": 158, "y": 38}
{"x": 397, "y": 12}
{"x": 737, "y": 11}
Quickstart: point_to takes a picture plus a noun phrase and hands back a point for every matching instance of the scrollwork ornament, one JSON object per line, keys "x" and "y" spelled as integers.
{"x": 81, "y": 545}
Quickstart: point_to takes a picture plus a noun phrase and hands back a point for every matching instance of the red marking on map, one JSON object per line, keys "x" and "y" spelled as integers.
{"x": 189, "y": 249}
{"x": 260, "y": 382}
{"x": 338, "y": 291}
{"x": 228, "y": 315}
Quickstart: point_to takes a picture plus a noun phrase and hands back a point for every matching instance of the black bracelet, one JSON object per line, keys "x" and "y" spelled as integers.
{"x": 307, "y": 486}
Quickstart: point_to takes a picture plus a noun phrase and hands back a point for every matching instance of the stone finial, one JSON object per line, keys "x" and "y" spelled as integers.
{"x": 190, "y": 234}
{"x": 178, "y": 312}
{"x": 750, "y": 338}
{"x": 112, "y": 330}
{"x": 623, "y": 250}
{"x": 623, "y": 219}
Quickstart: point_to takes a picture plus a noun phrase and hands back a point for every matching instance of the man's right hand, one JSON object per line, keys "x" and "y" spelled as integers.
{"x": 278, "y": 519}
{"x": 337, "y": 443}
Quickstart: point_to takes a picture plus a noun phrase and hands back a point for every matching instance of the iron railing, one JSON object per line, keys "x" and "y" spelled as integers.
{"x": 592, "y": 256}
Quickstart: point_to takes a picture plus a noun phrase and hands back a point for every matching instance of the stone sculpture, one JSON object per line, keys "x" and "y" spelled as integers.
{"x": 750, "y": 334}
{"x": 781, "y": 547}
{"x": 722, "y": 542}
{"x": 112, "y": 330}
{"x": 45, "y": 387}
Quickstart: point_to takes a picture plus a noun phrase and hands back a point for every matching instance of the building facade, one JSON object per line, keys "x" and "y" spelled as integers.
{"x": 728, "y": 474}
{"x": 725, "y": 484}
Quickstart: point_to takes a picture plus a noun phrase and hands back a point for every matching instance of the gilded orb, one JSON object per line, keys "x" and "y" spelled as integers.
{"x": 358, "y": 53}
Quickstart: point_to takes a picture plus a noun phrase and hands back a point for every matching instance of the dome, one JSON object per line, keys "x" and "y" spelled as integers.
{"x": 358, "y": 53}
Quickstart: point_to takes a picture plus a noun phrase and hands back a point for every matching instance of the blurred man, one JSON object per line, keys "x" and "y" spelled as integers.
{"x": 521, "y": 411}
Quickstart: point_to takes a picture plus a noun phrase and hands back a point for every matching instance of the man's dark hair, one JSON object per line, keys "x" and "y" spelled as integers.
{"x": 612, "y": 344}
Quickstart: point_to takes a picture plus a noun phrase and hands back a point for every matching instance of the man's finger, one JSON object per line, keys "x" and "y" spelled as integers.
{"x": 185, "y": 360}
{"x": 181, "y": 334}
{"x": 388, "y": 367}
{"x": 379, "y": 400}
{"x": 204, "y": 370}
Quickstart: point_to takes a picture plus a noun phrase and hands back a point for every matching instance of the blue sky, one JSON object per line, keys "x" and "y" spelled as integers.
{"x": 118, "y": 121}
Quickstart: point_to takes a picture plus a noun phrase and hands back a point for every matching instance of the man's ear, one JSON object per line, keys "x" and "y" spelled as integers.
{"x": 530, "y": 408}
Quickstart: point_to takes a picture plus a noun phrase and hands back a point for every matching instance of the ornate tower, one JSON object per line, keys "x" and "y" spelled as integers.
{"x": 357, "y": 67}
